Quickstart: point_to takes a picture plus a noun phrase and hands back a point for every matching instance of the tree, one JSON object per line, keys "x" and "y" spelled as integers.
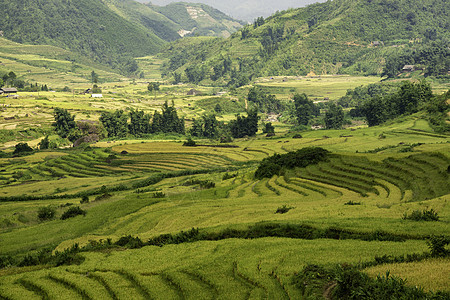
{"x": 153, "y": 87}
{"x": 44, "y": 143}
{"x": 115, "y": 123}
{"x": 139, "y": 123}
{"x": 334, "y": 117}
{"x": 244, "y": 126}
{"x": 269, "y": 129}
{"x": 46, "y": 213}
{"x": 64, "y": 122}
{"x": 94, "y": 77}
{"x": 304, "y": 109}
{"x": 21, "y": 148}
{"x": 375, "y": 111}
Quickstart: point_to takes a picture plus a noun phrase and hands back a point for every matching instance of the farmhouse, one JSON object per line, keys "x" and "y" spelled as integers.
{"x": 8, "y": 90}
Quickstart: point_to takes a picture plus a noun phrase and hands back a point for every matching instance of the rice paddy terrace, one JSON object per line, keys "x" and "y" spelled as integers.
{"x": 207, "y": 228}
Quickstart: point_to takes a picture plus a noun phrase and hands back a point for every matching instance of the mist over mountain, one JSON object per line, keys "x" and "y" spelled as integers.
{"x": 246, "y": 10}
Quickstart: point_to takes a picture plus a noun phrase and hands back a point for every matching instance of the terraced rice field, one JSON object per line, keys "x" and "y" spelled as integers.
{"x": 367, "y": 193}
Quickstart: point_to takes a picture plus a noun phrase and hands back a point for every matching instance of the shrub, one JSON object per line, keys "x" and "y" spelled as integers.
{"x": 301, "y": 158}
{"x": 46, "y": 213}
{"x": 130, "y": 242}
{"x": 425, "y": 215}
{"x": 84, "y": 199}
{"x": 73, "y": 212}
{"x": 283, "y": 209}
{"x": 352, "y": 203}
{"x": 190, "y": 143}
{"x": 229, "y": 176}
{"x": 437, "y": 245}
{"x": 22, "y": 148}
{"x": 159, "y": 195}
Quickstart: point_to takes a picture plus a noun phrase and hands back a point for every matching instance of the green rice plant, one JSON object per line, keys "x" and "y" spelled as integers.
{"x": 70, "y": 285}
{"x": 32, "y": 287}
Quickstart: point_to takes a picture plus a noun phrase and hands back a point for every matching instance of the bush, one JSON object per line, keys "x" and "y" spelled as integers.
{"x": 190, "y": 143}
{"x": 352, "y": 203}
{"x": 229, "y": 176}
{"x": 437, "y": 245}
{"x": 425, "y": 215}
{"x": 22, "y": 148}
{"x": 84, "y": 199}
{"x": 301, "y": 158}
{"x": 46, "y": 213}
{"x": 159, "y": 195}
{"x": 73, "y": 212}
{"x": 283, "y": 209}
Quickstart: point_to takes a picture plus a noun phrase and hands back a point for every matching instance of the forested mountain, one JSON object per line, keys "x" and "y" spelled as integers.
{"x": 84, "y": 26}
{"x": 340, "y": 36}
{"x": 199, "y": 19}
{"x": 112, "y": 32}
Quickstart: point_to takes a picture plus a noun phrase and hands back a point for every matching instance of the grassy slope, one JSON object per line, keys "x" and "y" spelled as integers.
{"x": 50, "y": 65}
{"x": 86, "y": 27}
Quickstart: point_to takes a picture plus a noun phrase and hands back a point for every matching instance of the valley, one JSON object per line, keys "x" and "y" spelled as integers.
{"x": 291, "y": 158}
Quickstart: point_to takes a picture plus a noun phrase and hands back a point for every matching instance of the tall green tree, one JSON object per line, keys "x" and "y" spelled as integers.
{"x": 304, "y": 109}
{"x": 334, "y": 117}
{"x": 244, "y": 126}
{"x": 139, "y": 123}
{"x": 115, "y": 123}
{"x": 64, "y": 123}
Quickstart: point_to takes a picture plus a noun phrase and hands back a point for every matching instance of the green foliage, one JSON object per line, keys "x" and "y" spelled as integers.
{"x": 203, "y": 184}
{"x": 283, "y": 209}
{"x": 437, "y": 245}
{"x": 334, "y": 117}
{"x": 65, "y": 124}
{"x": 44, "y": 143}
{"x": 244, "y": 126}
{"x": 84, "y": 199}
{"x": 301, "y": 158}
{"x": 159, "y": 195}
{"x": 407, "y": 100}
{"x": 425, "y": 215}
{"x": 437, "y": 112}
{"x": 139, "y": 123}
{"x": 115, "y": 123}
{"x": 229, "y": 176}
{"x": 263, "y": 102}
{"x": 269, "y": 129}
{"x": 73, "y": 212}
{"x": 22, "y": 149}
{"x": 336, "y": 37}
{"x": 190, "y": 143}
{"x": 90, "y": 28}
{"x": 304, "y": 109}
{"x": 46, "y": 213}
{"x": 207, "y": 127}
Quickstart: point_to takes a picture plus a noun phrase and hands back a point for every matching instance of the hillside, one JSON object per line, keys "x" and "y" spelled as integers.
{"x": 86, "y": 27}
{"x": 199, "y": 19}
{"x": 50, "y": 65}
{"x": 111, "y": 32}
{"x": 341, "y": 36}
